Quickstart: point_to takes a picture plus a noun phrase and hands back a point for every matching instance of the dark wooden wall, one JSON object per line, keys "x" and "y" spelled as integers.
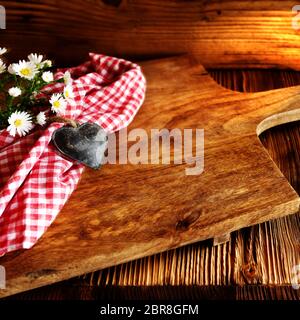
{"x": 221, "y": 33}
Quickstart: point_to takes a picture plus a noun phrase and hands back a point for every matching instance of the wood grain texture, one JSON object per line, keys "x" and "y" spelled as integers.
{"x": 221, "y": 33}
{"x": 283, "y": 145}
{"x": 131, "y": 215}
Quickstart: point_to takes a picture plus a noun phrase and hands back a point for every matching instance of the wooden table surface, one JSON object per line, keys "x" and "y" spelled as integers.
{"x": 257, "y": 262}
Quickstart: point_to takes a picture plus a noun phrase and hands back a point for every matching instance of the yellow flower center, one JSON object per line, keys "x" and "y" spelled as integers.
{"x": 18, "y": 123}
{"x": 67, "y": 94}
{"x": 56, "y": 104}
{"x": 25, "y": 72}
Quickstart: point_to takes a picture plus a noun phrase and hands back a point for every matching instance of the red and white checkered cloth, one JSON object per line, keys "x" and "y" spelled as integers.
{"x": 35, "y": 181}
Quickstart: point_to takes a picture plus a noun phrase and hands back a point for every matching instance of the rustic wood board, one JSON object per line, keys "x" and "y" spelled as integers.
{"x": 256, "y": 263}
{"x": 145, "y": 209}
{"x": 221, "y": 33}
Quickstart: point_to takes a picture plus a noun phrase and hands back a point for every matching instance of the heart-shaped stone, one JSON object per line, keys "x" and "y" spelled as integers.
{"x": 85, "y": 144}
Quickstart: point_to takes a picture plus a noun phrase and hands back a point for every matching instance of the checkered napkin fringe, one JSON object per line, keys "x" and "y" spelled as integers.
{"x": 35, "y": 182}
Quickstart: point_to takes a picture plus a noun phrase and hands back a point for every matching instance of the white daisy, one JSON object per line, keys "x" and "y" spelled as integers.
{"x": 67, "y": 78}
{"x": 14, "y": 92}
{"x": 10, "y": 69}
{"x": 2, "y": 66}
{"x": 41, "y": 118}
{"x": 2, "y": 51}
{"x": 25, "y": 69}
{"x": 20, "y": 123}
{"x": 36, "y": 60}
{"x": 47, "y": 76}
{"x": 47, "y": 63}
{"x": 58, "y": 103}
{"x": 68, "y": 92}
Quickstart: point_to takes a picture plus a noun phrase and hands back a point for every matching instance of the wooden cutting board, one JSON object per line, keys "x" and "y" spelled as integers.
{"x": 124, "y": 212}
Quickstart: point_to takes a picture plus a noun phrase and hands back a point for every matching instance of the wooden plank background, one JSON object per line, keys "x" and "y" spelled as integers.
{"x": 221, "y": 33}
{"x": 257, "y": 262}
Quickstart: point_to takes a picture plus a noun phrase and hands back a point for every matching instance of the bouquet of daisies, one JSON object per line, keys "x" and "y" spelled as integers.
{"x": 24, "y": 102}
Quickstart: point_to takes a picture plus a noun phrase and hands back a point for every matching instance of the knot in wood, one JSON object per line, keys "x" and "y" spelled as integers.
{"x": 250, "y": 272}
{"x": 184, "y": 223}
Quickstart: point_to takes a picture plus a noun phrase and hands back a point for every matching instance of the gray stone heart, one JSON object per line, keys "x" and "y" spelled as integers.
{"x": 85, "y": 144}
